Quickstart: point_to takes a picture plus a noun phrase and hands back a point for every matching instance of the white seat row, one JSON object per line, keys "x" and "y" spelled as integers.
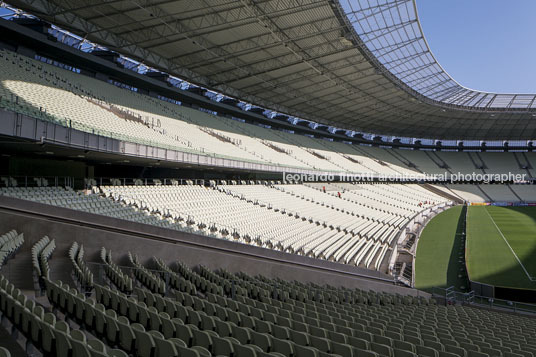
{"x": 356, "y": 228}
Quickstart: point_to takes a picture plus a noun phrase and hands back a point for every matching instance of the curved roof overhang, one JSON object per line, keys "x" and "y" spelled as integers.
{"x": 358, "y": 65}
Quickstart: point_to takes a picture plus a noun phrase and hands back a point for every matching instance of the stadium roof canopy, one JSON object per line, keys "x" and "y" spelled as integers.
{"x": 361, "y": 65}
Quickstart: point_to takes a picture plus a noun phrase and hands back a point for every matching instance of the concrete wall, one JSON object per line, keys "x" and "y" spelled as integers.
{"x": 94, "y": 231}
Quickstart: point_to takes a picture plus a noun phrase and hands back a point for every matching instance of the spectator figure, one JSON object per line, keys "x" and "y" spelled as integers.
{"x": 324, "y": 189}
{"x": 339, "y": 194}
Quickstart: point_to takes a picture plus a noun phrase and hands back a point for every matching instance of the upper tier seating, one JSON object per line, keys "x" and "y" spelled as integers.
{"x": 90, "y": 105}
{"x": 526, "y": 192}
{"x": 501, "y": 162}
{"x": 470, "y": 193}
{"x": 457, "y": 162}
{"x": 494, "y": 192}
{"x": 499, "y": 193}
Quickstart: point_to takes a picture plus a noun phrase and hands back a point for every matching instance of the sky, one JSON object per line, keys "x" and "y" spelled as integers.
{"x": 488, "y": 45}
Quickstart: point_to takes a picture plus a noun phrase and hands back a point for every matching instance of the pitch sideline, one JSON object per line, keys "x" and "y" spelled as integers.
{"x": 531, "y": 278}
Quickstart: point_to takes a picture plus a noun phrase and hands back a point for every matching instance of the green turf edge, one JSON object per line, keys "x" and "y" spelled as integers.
{"x": 439, "y": 251}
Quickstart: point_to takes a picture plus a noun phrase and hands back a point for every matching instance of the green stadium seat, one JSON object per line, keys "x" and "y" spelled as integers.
{"x": 167, "y": 327}
{"x": 145, "y": 345}
{"x": 79, "y": 344}
{"x": 403, "y": 353}
{"x": 469, "y": 347}
{"x": 117, "y": 353}
{"x": 512, "y": 354}
{"x": 363, "y": 335}
{"x": 202, "y": 338}
{"x": 476, "y": 354}
{"x": 337, "y": 336}
{"x": 263, "y": 326}
{"x": 491, "y": 351}
{"x": 201, "y": 351}
{"x": 427, "y": 351}
{"x": 405, "y": 346}
{"x": 281, "y": 332}
{"x": 414, "y": 340}
{"x": 433, "y": 344}
{"x": 61, "y": 336}
{"x": 185, "y": 333}
{"x": 164, "y": 347}
{"x": 459, "y": 351}
{"x": 382, "y": 349}
{"x": 383, "y": 340}
{"x": 447, "y": 354}
{"x": 112, "y": 326}
{"x": 262, "y": 340}
{"x": 322, "y": 344}
{"x": 223, "y": 328}
{"x": 304, "y": 351}
{"x": 222, "y": 346}
{"x": 127, "y": 337}
{"x": 286, "y": 348}
{"x": 524, "y": 353}
{"x": 341, "y": 349}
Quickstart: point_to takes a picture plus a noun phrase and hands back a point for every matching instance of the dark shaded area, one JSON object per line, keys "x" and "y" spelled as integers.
{"x": 521, "y": 295}
{"x": 446, "y": 244}
{"x": 457, "y": 271}
{"x": 7, "y": 341}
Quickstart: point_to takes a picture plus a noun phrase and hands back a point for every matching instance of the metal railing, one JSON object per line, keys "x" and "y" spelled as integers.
{"x": 36, "y": 181}
{"x": 450, "y": 296}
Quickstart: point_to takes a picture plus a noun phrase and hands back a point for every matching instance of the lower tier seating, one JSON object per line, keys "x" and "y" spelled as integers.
{"x": 356, "y": 225}
{"x": 219, "y": 313}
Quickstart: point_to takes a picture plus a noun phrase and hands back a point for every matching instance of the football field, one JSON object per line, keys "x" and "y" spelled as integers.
{"x": 501, "y": 246}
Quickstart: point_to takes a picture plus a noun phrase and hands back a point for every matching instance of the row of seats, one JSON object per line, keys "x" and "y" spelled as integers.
{"x": 178, "y": 282}
{"x": 90, "y": 105}
{"x": 10, "y": 243}
{"x": 147, "y": 278}
{"x": 234, "y": 314}
{"x": 114, "y": 274}
{"x": 401, "y": 341}
{"x": 81, "y": 271}
{"x": 41, "y": 253}
{"x": 68, "y": 198}
{"x": 494, "y": 192}
{"x": 121, "y": 321}
{"x": 262, "y": 289}
{"x": 358, "y": 227}
{"x": 51, "y": 336}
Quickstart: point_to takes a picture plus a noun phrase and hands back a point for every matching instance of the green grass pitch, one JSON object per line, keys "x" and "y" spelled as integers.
{"x": 495, "y": 236}
{"x": 440, "y": 246}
